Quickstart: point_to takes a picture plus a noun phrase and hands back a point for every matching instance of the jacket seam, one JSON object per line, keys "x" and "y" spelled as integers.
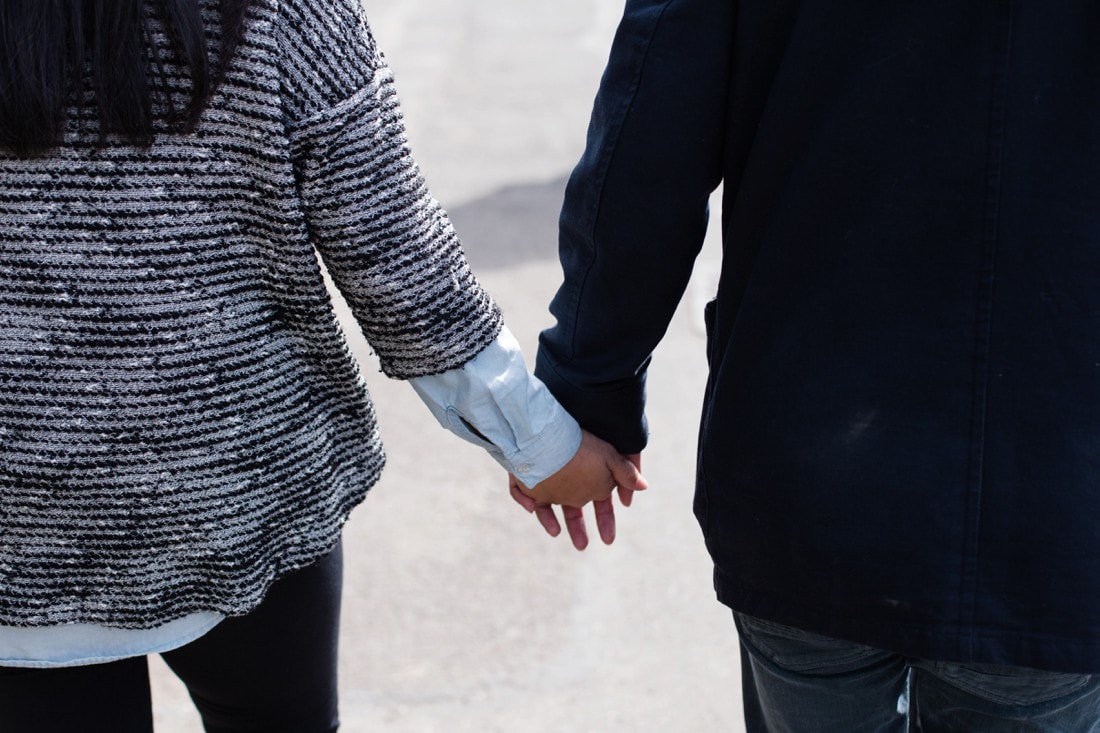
{"x": 984, "y": 329}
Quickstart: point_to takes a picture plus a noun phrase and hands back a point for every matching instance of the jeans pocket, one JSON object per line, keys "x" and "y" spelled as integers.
{"x": 805, "y": 652}
{"x": 1018, "y": 686}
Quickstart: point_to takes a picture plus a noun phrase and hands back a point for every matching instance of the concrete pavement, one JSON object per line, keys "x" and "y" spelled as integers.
{"x": 459, "y": 613}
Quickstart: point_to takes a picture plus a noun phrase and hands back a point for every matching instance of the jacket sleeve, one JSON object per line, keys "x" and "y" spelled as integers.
{"x": 389, "y": 246}
{"x": 635, "y": 210}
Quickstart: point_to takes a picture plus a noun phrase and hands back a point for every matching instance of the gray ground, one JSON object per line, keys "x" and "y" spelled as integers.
{"x": 459, "y": 613}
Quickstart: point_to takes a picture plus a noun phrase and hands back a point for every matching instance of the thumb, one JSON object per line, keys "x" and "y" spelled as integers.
{"x": 626, "y": 474}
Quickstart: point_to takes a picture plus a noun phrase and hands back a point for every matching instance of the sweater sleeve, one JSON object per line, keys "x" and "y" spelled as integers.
{"x": 389, "y": 246}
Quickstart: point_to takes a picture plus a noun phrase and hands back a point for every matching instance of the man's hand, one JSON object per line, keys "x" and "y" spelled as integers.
{"x": 591, "y": 475}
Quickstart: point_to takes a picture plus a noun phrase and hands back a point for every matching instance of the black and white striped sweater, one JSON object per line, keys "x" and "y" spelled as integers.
{"x": 180, "y": 419}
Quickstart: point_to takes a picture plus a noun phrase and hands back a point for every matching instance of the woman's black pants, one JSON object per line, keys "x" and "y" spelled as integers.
{"x": 273, "y": 670}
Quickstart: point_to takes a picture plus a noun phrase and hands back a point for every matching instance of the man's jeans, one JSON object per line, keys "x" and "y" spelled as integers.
{"x": 798, "y": 682}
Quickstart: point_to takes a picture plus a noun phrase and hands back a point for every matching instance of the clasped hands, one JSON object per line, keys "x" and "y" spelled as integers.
{"x": 592, "y": 475}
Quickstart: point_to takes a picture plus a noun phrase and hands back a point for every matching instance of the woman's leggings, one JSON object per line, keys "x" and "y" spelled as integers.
{"x": 273, "y": 670}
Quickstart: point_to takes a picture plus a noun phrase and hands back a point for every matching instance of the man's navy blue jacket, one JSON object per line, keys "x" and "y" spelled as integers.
{"x": 900, "y": 442}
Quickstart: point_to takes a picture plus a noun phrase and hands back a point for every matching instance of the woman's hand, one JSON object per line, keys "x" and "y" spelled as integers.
{"x": 591, "y": 475}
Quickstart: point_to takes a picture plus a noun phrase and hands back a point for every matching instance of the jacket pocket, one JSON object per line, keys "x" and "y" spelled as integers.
{"x": 710, "y": 314}
{"x": 701, "y": 503}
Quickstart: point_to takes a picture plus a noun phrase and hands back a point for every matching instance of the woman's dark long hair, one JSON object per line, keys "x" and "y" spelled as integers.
{"x": 48, "y": 48}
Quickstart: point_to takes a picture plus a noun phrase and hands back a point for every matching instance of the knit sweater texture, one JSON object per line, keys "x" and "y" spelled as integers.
{"x": 181, "y": 421}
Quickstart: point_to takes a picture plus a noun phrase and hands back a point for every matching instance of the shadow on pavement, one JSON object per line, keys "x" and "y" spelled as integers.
{"x": 514, "y": 225}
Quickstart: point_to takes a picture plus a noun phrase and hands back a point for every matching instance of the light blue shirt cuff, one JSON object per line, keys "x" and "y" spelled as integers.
{"x": 495, "y": 402}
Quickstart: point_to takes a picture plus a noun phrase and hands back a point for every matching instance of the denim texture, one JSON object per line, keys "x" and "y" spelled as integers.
{"x": 796, "y": 681}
